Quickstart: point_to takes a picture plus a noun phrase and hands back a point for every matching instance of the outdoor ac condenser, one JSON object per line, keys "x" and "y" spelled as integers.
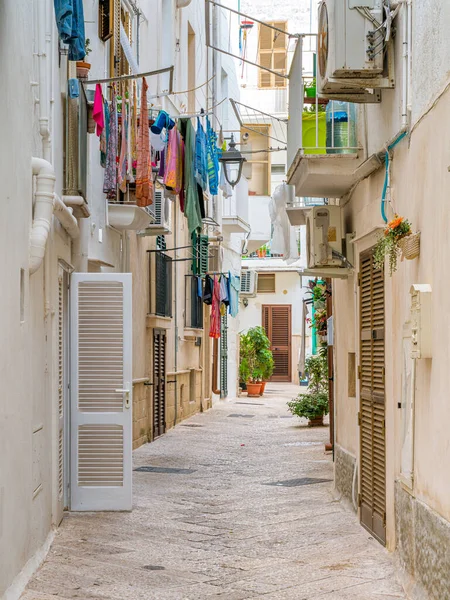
{"x": 350, "y": 54}
{"x": 323, "y": 235}
{"x": 248, "y": 283}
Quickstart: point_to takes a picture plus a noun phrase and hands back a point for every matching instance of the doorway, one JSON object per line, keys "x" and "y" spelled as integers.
{"x": 159, "y": 382}
{"x": 372, "y": 398}
{"x": 276, "y": 319}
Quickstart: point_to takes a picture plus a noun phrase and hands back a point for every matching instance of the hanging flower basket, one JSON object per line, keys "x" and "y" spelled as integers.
{"x": 410, "y": 246}
{"x": 319, "y": 304}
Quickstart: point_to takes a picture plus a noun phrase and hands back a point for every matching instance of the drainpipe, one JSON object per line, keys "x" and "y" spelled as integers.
{"x": 80, "y": 246}
{"x": 175, "y": 237}
{"x": 215, "y": 369}
{"x": 46, "y": 202}
{"x": 43, "y": 38}
{"x": 183, "y": 3}
{"x": 405, "y": 66}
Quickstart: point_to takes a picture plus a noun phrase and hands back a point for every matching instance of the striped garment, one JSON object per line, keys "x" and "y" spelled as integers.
{"x": 201, "y": 164}
{"x": 213, "y": 159}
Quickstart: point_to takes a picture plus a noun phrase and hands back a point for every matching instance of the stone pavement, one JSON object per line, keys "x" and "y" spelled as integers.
{"x": 225, "y": 527}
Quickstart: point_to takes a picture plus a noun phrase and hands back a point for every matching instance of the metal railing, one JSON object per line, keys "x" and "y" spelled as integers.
{"x": 316, "y": 125}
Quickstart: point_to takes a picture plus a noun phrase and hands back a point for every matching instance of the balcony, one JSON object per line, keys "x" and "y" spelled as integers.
{"x": 124, "y": 214}
{"x": 235, "y": 209}
{"x": 323, "y": 151}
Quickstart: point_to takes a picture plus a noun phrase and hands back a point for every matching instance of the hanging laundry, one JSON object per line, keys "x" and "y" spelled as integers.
{"x": 144, "y": 180}
{"x": 201, "y": 165}
{"x": 122, "y": 170}
{"x": 199, "y": 287}
{"x": 208, "y": 290}
{"x": 224, "y": 297}
{"x": 110, "y": 181}
{"x": 105, "y": 135}
{"x": 191, "y": 202}
{"x": 130, "y": 176}
{"x": 97, "y": 113}
{"x": 213, "y": 159}
{"x": 173, "y": 177}
{"x": 134, "y": 131}
{"x": 234, "y": 287}
{"x": 214, "y": 328}
{"x": 70, "y": 23}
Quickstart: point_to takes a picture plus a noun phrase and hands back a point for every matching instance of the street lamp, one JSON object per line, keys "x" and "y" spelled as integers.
{"x": 234, "y": 160}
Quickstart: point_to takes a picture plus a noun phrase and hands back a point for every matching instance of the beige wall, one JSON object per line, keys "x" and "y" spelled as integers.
{"x": 420, "y": 190}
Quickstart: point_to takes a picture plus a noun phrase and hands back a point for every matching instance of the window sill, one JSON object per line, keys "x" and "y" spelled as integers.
{"x": 157, "y": 322}
{"x": 191, "y": 333}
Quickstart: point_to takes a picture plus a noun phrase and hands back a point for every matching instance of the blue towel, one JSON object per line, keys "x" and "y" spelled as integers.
{"x": 70, "y": 22}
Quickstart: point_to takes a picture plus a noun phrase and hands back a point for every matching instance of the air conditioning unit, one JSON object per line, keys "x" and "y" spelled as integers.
{"x": 249, "y": 281}
{"x": 215, "y": 254}
{"x": 161, "y": 210}
{"x": 352, "y": 49}
{"x": 323, "y": 236}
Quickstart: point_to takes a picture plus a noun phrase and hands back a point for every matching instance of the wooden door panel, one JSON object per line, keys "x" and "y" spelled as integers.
{"x": 276, "y": 319}
{"x": 159, "y": 382}
{"x": 372, "y": 399}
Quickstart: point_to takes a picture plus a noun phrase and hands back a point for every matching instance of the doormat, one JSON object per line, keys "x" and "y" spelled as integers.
{"x": 165, "y": 470}
{"x": 298, "y": 482}
{"x": 242, "y": 416}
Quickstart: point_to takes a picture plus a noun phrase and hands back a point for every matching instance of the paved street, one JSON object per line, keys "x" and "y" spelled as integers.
{"x": 224, "y": 526}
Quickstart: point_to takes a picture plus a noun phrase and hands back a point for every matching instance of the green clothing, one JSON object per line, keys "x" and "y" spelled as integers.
{"x": 191, "y": 204}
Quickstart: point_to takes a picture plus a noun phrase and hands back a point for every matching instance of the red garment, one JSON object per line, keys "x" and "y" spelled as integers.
{"x": 214, "y": 328}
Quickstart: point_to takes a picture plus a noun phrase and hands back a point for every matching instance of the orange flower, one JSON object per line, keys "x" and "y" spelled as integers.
{"x": 395, "y": 223}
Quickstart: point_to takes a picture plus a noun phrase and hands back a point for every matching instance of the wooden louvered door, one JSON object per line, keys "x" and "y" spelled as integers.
{"x": 224, "y": 356}
{"x": 276, "y": 320}
{"x": 159, "y": 382}
{"x": 372, "y": 398}
{"x": 101, "y": 391}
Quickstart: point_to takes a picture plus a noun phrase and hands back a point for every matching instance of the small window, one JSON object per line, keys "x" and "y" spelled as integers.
{"x": 266, "y": 283}
{"x": 272, "y": 54}
{"x": 194, "y": 303}
{"x": 163, "y": 291}
{"x": 105, "y": 19}
{"x": 257, "y": 169}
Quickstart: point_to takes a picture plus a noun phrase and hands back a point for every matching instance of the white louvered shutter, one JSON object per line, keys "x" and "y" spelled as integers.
{"x": 101, "y": 392}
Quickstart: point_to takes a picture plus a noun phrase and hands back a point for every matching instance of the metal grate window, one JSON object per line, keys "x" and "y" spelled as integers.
{"x": 163, "y": 284}
{"x": 194, "y": 303}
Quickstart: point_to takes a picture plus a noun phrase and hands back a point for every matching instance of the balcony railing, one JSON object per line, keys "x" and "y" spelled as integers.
{"x": 316, "y": 125}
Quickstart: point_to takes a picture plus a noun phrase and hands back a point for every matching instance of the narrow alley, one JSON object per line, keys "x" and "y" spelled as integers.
{"x": 234, "y": 503}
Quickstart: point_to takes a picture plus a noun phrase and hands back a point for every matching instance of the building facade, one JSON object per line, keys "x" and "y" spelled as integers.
{"x": 389, "y": 329}
{"x": 86, "y": 310}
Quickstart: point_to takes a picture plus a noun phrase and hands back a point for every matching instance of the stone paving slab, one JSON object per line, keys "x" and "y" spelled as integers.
{"x": 224, "y": 530}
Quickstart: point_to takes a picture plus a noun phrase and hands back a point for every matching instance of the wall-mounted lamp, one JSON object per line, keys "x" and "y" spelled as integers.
{"x": 232, "y": 161}
{"x": 245, "y": 302}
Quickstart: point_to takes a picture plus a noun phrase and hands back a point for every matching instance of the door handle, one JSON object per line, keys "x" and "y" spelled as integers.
{"x": 127, "y": 396}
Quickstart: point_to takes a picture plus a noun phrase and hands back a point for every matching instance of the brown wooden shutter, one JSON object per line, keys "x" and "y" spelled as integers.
{"x": 105, "y": 19}
{"x": 372, "y": 398}
{"x": 159, "y": 382}
{"x": 277, "y": 324}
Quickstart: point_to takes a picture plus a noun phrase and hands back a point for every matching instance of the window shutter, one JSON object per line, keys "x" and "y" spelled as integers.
{"x": 101, "y": 391}
{"x": 200, "y": 249}
{"x": 372, "y": 398}
{"x": 266, "y": 283}
{"x": 159, "y": 382}
{"x": 62, "y": 387}
{"x": 105, "y": 19}
{"x": 272, "y": 54}
{"x": 224, "y": 356}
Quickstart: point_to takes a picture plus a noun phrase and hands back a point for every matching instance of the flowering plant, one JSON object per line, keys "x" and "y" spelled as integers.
{"x": 388, "y": 245}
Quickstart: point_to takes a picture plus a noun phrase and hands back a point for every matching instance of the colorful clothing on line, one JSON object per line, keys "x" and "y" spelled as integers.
{"x": 104, "y": 136}
{"x": 234, "y": 287}
{"x": 173, "y": 177}
{"x": 224, "y": 297}
{"x": 208, "y": 290}
{"x": 144, "y": 179}
{"x": 201, "y": 164}
{"x": 122, "y": 170}
{"x": 213, "y": 159}
{"x": 97, "y": 111}
{"x": 191, "y": 202}
{"x": 70, "y": 23}
{"x": 110, "y": 181}
{"x": 214, "y": 328}
{"x": 130, "y": 176}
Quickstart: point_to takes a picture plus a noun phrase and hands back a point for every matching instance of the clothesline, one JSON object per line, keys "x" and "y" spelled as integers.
{"x": 134, "y": 76}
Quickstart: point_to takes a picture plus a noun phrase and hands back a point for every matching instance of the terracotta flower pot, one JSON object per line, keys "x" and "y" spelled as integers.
{"x": 316, "y": 422}
{"x": 253, "y": 389}
{"x": 83, "y": 69}
{"x": 263, "y": 387}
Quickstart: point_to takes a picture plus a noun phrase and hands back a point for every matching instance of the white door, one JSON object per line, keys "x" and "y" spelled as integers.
{"x": 101, "y": 392}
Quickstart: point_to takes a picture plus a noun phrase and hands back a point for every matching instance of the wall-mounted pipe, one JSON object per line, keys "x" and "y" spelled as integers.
{"x": 66, "y": 218}
{"x": 183, "y": 3}
{"x": 43, "y": 211}
{"x": 44, "y": 40}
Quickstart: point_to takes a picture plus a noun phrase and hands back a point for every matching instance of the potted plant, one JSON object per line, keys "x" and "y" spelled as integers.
{"x": 248, "y": 371}
{"x": 83, "y": 66}
{"x": 267, "y": 365}
{"x": 310, "y": 88}
{"x": 396, "y": 238}
{"x": 313, "y": 404}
